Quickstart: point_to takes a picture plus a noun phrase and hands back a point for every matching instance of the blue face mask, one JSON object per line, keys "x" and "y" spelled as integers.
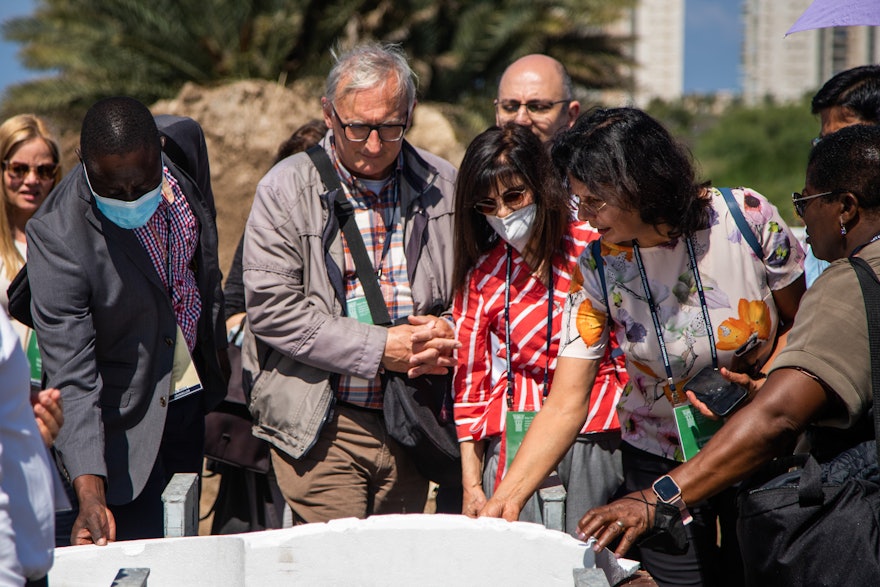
{"x": 132, "y": 214}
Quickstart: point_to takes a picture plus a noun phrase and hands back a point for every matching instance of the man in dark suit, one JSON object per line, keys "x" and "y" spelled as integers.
{"x": 127, "y": 306}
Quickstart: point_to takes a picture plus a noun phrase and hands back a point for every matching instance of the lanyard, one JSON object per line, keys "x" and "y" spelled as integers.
{"x": 168, "y": 259}
{"x": 390, "y": 226}
{"x": 876, "y": 237}
{"x": 649, "y": 297}
{"x": 550, "y": 293}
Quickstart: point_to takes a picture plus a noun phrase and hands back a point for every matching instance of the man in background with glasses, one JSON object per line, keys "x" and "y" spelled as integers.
{"x": 319, "y": 353}
{"x": 850, "y": 97}
{"x": 536, "y": 91}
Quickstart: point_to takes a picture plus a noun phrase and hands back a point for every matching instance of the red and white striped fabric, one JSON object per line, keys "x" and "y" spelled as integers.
{"x": 480, "y": 391}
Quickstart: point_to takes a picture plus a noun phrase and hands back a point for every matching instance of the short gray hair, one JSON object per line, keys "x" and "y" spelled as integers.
{"x": 370, "y": 65}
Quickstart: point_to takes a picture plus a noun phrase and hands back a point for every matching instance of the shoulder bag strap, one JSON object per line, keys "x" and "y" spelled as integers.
{"x": 741, "y": 223}
{"x": 596, "y": 251}
{"x": 363, "y": 266}
{"x": 871, "y": 293}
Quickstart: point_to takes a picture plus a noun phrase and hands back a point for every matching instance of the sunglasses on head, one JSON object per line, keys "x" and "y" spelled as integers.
{"x": 21, "y": 170}
{"x": 510, "y": 198}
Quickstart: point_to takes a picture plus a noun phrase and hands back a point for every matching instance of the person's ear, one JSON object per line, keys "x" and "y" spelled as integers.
{"x": 574, "y": 108}
{"x": 850, "y": 205}
{"x": 327, "y": 112}
{"x": 409, "y": 119}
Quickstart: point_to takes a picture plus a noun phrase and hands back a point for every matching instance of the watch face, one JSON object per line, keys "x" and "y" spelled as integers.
{"x": 666, "y": 489}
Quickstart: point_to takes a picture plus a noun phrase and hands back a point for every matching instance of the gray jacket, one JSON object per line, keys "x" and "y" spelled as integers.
{"x": 299, "y": 339}
{"x": 106, "y": 325}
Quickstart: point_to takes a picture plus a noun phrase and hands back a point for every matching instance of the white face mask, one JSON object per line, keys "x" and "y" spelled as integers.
{"x": 516, "y": 227}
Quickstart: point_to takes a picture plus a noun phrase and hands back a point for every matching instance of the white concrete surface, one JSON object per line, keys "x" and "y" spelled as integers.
{"x": 421, "y": 550}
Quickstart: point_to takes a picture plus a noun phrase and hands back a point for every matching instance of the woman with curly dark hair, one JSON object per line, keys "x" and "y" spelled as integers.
{"x": 686, "y": 290}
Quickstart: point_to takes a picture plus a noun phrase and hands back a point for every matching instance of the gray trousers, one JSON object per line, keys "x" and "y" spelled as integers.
{"x": 591, "y": 472}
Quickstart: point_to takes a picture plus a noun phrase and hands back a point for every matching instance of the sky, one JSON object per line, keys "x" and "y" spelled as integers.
{"x": 713, "y": 30}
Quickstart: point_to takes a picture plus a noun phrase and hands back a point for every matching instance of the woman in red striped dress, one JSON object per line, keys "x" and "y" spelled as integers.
{"x": 516, "y": 241}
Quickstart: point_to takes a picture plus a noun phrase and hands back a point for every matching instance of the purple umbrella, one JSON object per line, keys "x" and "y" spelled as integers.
{"x": 830, "y": 13}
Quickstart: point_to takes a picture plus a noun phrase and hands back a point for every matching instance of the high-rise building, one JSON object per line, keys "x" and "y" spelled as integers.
{"x": 655, "y": 29}
{"x": 787, "y": 68}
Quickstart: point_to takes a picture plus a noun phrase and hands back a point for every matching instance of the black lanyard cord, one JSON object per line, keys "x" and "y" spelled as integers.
{"x": 550, "y": 293}
{"x": 656, "y": 320}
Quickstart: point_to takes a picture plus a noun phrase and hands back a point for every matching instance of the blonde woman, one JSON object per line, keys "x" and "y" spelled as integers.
{"x": 29, "y": 157}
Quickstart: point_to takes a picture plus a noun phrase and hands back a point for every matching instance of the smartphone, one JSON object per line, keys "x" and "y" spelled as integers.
{"x": 720, "y": 395}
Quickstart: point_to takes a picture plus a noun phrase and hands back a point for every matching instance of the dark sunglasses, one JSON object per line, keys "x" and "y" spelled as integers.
{"x": 21, "y": 170}
{"x": 799, "y": 200}
{"x": 511, "y": 198}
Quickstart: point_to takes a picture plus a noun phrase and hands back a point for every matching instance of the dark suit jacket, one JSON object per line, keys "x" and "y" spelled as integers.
{"x": 106, "y": 327}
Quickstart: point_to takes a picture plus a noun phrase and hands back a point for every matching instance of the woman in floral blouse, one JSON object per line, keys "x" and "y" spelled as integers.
{"x": 685, "y": 291}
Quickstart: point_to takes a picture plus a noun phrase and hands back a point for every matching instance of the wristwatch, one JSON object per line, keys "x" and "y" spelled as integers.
{"x": 668, "y": 491}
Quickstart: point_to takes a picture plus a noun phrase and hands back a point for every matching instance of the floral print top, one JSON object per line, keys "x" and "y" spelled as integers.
{"x": 738, "y": 290}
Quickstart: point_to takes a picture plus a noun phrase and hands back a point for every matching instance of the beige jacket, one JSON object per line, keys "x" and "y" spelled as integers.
{"x": 299, "y": 339}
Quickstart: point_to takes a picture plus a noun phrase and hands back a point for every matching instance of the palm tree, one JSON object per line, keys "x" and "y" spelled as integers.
{"x": 149, "y": 49}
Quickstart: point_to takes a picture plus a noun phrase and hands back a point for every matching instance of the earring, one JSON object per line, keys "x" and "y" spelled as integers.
{"x": 842, "y": 228}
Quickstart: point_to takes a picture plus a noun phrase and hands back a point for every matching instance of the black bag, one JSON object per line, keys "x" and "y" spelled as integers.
{"x": 795, "y": 529}
{"x": 19, "y": 294}
{"x": 228, "y": 436}
{"x": 802, "y": 524}
{"x": 418, "y": 415}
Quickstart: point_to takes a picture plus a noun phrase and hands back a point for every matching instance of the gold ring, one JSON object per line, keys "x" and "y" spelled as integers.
{"x": 619, "y": 523}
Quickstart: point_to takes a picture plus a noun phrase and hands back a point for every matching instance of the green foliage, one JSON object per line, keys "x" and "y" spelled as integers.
{"x": 459, "y": 48}
{"x": 763, "y": 147}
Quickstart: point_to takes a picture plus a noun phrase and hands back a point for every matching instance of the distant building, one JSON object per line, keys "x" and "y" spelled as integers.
{"x": 787, "y": 68}
{"x": 655, "y": 29}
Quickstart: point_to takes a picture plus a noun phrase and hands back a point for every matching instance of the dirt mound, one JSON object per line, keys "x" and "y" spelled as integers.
{"x": 244, "y": 122}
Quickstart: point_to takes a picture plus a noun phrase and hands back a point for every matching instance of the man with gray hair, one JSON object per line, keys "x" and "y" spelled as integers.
{"x": 318, "y": 356}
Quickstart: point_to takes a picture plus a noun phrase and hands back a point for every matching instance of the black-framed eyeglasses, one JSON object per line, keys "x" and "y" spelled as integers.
{"x": 532, "y": 106}
{"x": 589, "y": 204}
{"x": 799, "y": 200}
{"x": 511, "y": 198}
{"x": 358, "y": 132}
{"x": 45, "y": 171}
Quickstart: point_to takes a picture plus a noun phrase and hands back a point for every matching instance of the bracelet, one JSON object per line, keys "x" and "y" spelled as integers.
{"x": 645, "y": 501}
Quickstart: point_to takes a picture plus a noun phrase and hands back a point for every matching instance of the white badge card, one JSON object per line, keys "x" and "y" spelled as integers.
{"x": 184, "y": 378}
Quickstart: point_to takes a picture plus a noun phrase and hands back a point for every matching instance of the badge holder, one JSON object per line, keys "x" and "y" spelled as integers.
{"x": 694, "y": 429}
{"x": 516, "y": 426}
{"x": 34, "y": 360}
{"x": 184, "y": 378}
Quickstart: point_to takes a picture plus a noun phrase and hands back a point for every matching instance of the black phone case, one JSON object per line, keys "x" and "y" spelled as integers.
{"x": 720, "y": 395}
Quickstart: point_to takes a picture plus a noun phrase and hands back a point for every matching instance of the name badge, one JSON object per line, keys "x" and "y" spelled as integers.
{"x": 694, "y": 429}
{"x": 184, "y": 378}
{"x": 514, "y": 431}
{"x": 32, "y": 350}
{"x": 359, "y": 309}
